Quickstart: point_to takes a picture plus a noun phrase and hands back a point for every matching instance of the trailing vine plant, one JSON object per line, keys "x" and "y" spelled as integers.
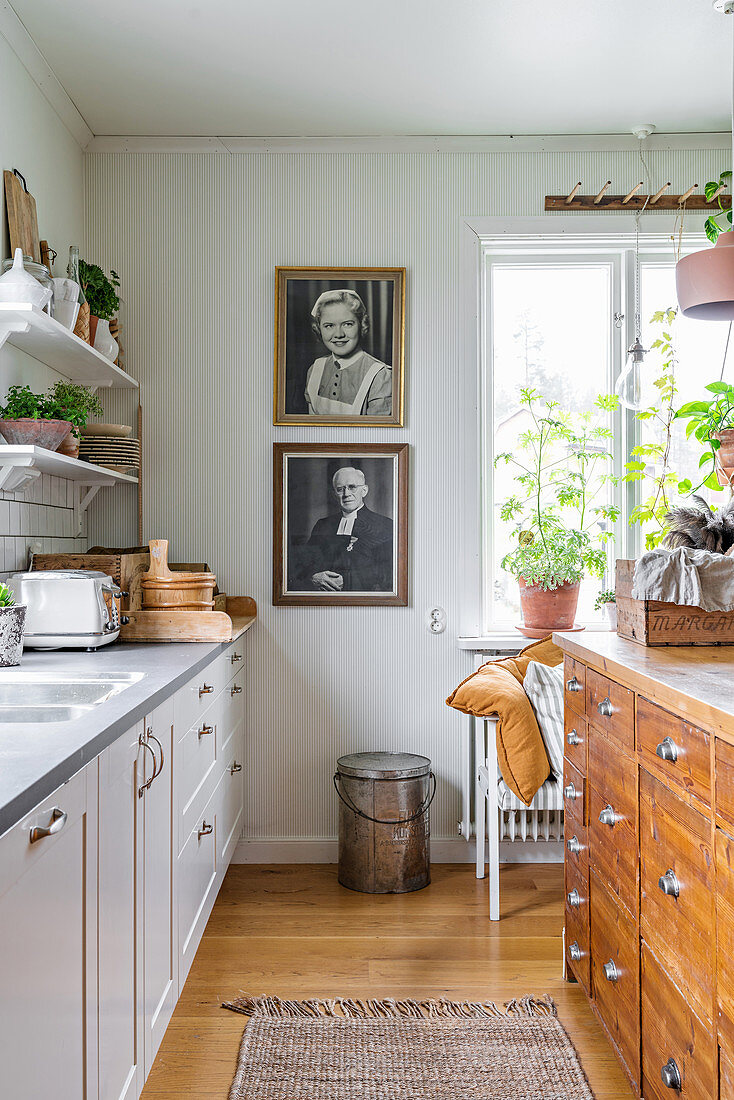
{"x": 712, "y": 224}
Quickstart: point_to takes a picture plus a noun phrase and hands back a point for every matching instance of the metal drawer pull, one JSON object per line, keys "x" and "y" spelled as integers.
{"x": 158, "y": 767}
{"x": 206, "y": 689}
{"x": 669, "y": 884}
{"x": 142, "y": 740}
{"x": 58, "y": 820}
{"x": 670, "y": 1075}
{"x": 610, "y": 971}
{"x": 574, "y": 951}
{"x": 573, "y": 738}
{"x": 574, "y": 899}
{"x": 235, "y": 657}
{"x": 608, "y": 817}
{"x": 205, "y": 730}
{"x": 235, "y": 768}
{"x": 605, "y": 708}
{"x": 574, "y": 845}
{"x": 667, "y": 750}
{"x": 571, "y": 792}
{"x": 573, "y": 685}
{"x": 236, "y": 690}
{"x": 205, "y": 829}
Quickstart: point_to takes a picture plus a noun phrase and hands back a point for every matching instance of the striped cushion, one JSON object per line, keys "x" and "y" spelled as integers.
{"x": 544, "y": 688}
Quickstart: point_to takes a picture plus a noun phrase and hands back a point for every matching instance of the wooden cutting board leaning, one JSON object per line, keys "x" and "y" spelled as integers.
{"x": 22, "y": 216}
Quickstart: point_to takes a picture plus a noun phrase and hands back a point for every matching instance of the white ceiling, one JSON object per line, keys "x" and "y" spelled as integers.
{"x": 387, "y": 67}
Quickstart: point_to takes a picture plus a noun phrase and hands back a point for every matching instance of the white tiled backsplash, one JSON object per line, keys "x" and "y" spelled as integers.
{"x": 42, "y": 518}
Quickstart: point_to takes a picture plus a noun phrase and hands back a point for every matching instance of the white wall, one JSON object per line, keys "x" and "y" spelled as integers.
{"x": 195, "y": 238}
{"x": 34, "y": 140}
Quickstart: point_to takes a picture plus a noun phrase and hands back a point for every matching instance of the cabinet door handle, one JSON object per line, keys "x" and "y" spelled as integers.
{"x": 570, "y": 792}
{"x": 58, "y": 820}
{"x": 573, "y": 738}
{"x": 235, "y": 768}
{"x": 608, "y": 817}
{"x": 206, "y": 689}
{"x": 158, "y": 767}
{"x": 206, "y": 730}
{"x": 142, "y": 740}
{"x": 574, "y": 845}
{"x": 669, "y": 884}
{"x": 605, "y": 708}
{"x": 667, "y": 750}
{"x": 235, "y": 657}
{"x": 205, "y": 829}
{"x": 573, "y": 685}
{"x": 575, "y": 951}
{"x": 236, "y": 690}
{"x": 670, "y": 1075}
{"x": 610, "y": 971}
{"x": 574, "y": 899}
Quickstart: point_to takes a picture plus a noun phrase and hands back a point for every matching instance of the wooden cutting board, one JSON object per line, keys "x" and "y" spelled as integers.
{"x": 22, "y": 217}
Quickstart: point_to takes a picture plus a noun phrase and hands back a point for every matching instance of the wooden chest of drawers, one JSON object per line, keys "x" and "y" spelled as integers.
{"x": 649, "y": 862}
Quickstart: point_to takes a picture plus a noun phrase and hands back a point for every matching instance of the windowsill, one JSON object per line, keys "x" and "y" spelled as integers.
{"x": 509, "y": 639}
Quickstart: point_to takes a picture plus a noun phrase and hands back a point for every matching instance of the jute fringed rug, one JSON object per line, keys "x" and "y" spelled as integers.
{"x": 405, "y": 1050}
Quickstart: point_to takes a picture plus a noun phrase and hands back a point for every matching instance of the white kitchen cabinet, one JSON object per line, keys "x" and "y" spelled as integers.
{"x": 48, "y": 947}
{"x": 120, "y": 843}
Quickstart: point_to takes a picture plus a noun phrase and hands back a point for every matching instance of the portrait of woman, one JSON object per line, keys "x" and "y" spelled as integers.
{"x": 339, "y": 346}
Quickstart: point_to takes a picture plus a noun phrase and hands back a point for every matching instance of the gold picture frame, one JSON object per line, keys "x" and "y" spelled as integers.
{"x": 339, "y": 346}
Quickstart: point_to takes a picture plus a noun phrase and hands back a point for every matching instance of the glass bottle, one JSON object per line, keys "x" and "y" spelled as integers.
{"x": 72, "y": 271}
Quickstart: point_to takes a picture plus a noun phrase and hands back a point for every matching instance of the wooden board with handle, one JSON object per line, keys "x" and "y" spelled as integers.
{"x": 192, "y": 626}
{"x": 22, "y": 217}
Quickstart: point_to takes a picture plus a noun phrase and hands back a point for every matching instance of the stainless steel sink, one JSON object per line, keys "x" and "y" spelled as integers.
{"x": 42, "y": 697}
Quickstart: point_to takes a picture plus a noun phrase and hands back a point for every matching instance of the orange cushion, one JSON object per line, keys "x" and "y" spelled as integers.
{"x": 496, "y": 688}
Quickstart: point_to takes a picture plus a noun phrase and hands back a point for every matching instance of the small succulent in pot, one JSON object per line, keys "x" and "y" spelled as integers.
{"x": 12, "y": 624}
{"x": 699, "y": 527}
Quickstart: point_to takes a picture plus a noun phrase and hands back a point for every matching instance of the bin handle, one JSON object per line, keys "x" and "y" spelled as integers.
{"x": 424, "y": 806}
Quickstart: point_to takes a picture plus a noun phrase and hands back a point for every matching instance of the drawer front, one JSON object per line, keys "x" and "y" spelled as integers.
{"x": 574, "y": 684}
{"x": 677, "y": 753}
{"x": 610, "y": 708}
{"x": 231, "y": 790}
{"x": 613, "y": 775}
{"x": 577, "y": 848}
{"x": 232, "y": 709}
{"x": 192, "y": 700}
{"x": 196, "y": 871}
{"x": 234, "y": 659}
{"x": 672, "y": 1033}
{"x": 575, "y": 740}
{"x": 577, "y": 924}
{"x": 613, "y": 852}
{"x": 725, "y": 932}
{"x": 724, "y": 763}
{"x": 574, "y": 798}
{"x": 615, "y": 966}
{"x": 198, "y": 757}
{"x": 675, "y": 854}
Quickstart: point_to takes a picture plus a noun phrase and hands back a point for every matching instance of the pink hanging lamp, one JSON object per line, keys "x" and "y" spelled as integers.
{"x": 705, "y": 280}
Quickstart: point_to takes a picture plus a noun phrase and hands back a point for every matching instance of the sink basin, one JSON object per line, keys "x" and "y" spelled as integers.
{"x": 43, "y": 697}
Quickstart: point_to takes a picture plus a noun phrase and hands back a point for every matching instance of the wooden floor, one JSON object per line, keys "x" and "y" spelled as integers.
{"x": 294, "y": 932}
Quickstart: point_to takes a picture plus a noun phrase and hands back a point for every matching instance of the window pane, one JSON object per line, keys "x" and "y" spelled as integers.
{"x": 551, "y": 328}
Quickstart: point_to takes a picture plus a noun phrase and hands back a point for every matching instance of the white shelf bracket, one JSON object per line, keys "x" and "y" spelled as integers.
{"x": 14, "y": 479}
{"x": 83, "y": 502}
{"x": 7, "y": 328}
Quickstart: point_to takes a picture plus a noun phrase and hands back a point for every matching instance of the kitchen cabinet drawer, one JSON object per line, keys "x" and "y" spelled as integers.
{"x": 726, "y": 1072}
{"x": 673, "y": 1037}
{"x": 577, "y": 924}
{"x": 197, "y": 768}
{"x": 725, "y": 932}
{"x": 615, "y": 972}
{"x": 613, "y": 774}
{"x": 192, "y": 700}
{"x": 575, "y": 739}
{"x": 610, "y": 708}
{"x": 577, "y": 847}
{"x": 231, "y": 790}
{"x": 724, "y": 764}
{"x": 676, "y": 752}
{"x": 234, "y": 659}
{"x": 613, "y": 851}
{"x": 675, "y": 855}
{"x": 574, "y": 798}
{"x": 196, "y": 874}
{"x": 574, "y": 684}
{"x": 232, "y": 709}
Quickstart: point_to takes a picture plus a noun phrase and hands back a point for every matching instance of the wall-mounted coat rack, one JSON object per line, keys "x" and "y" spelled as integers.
{"x": 633, "y": 200}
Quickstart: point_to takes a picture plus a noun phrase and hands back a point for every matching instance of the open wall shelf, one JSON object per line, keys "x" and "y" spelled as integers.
{"x": 31, "y": 330}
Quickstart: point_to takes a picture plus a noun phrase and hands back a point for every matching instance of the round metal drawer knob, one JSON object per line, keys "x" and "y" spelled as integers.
{"x": 570, "y": 791}
{"x": 573, "y": 738}
{"x": 574, "y": 951}
{"x": 608, "y": 817}
{"x": 605, "y": 708}
{"x": 610, "y": 971}
{"x": 669, "y": 884}
{"x": 573, "y": 685}
{"x": 574, "y": 845}
{"x": 574, "y": 899}
{"x": 667, "y": 750}
{"x": 670, "y": 1075}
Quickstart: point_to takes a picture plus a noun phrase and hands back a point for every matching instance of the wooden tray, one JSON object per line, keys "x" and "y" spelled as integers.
{"x": 192, "y": 626}
{"x": 654, "y": 623}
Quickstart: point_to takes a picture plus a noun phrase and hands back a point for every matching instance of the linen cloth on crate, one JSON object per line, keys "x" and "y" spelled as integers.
{"x": 693, "y": 578}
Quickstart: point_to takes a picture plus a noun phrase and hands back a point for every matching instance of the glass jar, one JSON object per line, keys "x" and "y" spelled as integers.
{"x": 39, "y": 272}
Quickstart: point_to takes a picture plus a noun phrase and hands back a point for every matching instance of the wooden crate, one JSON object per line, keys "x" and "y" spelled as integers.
{"x": 125, "y": 569}
{"x": 654, "y": 623}
{"x": 192, "y": 626}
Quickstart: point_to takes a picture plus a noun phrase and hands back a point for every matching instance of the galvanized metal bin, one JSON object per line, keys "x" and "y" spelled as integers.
{"x": 384, "y": 829}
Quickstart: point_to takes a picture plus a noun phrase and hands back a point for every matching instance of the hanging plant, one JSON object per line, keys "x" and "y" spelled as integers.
{"x": 713, "y": 224}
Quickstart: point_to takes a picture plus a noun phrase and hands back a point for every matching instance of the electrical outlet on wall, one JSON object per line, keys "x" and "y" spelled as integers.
{"x": 436, "y": 620}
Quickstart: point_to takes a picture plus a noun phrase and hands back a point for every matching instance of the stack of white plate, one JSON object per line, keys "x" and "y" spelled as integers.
{"x": 113, "y": 449}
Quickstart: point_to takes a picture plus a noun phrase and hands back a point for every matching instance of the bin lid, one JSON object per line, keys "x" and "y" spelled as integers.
{"x": 383, "y": 765}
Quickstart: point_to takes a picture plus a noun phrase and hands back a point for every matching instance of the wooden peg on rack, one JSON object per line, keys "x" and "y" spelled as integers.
{"x": 688, "y": 194}
{"x": 717, "y": 192}
{"x": 629, "y": 195}
{"x": 571, "y": 196}
{"x": 659, "y": 194}
{"x": 600, "y": 196}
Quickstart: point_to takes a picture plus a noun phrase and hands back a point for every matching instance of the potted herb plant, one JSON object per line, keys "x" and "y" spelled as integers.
{"x": 101, "y": 294}
{"x": 12, "y": 624}
{"x": 712, "y": 424}
{"x": 562, "y": 518}
{"x": 608, "y": 601}
{"x": 32, "y": 419}
{"x": 75, "y": 404}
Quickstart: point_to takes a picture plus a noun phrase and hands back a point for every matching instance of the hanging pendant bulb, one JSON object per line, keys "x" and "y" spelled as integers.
{"x": 629, "y": 384}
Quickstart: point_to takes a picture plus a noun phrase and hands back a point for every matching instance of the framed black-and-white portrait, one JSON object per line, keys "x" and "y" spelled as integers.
{"x": 339, "y": 346}
{"x": 340, "y": 524}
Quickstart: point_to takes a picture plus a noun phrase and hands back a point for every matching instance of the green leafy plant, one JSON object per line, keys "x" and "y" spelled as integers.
{"x": 649, "y": 462}
{"x": 100, "y": 290}
{"x": 712, "y": 225}
{"x": 74, "y": 403}
{"x": 604, "y": 598}
{"x": 563, "y": 467}
{"x": 7, "y": 599}
{"x": 705, "y": 420}
{"x": 21, "y": 403}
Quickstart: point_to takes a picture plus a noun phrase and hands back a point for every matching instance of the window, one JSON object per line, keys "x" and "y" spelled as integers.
{"x": 559, "y": 315}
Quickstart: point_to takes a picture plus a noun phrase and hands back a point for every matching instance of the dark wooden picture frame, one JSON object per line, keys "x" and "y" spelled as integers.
{"x": 316, "y": 565}
{"x": 318, "y": 382}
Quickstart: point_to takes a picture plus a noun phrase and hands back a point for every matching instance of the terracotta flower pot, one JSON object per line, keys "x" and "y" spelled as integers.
{"x": 69, "y": 445}
{"x": 545, "y": 610}
{"x": 725, "y": 453}
{"x": 35, "y": 433}
{"x": 93, "y": 321}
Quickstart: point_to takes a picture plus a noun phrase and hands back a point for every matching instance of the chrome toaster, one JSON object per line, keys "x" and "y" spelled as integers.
{"x": 74, "y": 608}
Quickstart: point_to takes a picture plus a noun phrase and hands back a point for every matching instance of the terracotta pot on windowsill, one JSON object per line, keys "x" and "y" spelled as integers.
{"x": 547, "y": 609}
